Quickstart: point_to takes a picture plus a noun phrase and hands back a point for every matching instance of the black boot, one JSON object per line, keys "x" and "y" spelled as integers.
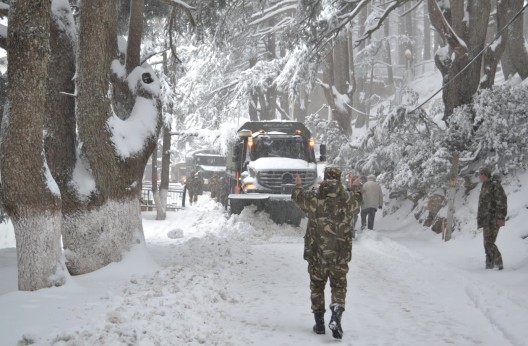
{"x": 335, "y": 321}
{"x": 319, "y": 327}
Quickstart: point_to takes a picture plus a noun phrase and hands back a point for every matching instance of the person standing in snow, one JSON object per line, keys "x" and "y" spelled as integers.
{"x": 198, "y": 185}
{"x": 222, "y": 190}
{"x": 189, "y": 184}
{"x": 328, "y": 243}
{"x": 213, "y": 182}
{"x": 491, "y": 214}
{"x": 372, "y": 201}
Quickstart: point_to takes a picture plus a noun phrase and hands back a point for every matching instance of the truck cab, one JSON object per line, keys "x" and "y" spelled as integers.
{"x": 263, "y": 163}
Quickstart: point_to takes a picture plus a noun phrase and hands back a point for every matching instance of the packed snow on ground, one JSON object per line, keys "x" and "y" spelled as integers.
{"x": 241, "y": 280}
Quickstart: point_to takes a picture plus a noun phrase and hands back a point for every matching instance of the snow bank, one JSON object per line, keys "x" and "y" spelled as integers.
{"x": 240, "y": 279}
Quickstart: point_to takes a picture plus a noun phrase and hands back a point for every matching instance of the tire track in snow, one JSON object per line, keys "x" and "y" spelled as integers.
{"x": 399, "y": 297}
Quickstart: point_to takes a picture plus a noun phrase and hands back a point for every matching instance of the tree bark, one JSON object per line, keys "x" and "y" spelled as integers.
{"x": 388, "y": 60}
{"x": 112, "y": 223}
{"x": 516, "y": 51}
{"x": 473, "y": 34}
{"x": 493, "y": 54}
{"x": 253, "y": 98}
{"x": 60, "y": 139}
{"x": 134, "y": 35}
{"x": 336, "y": 85}
{"x": 30, "y": 195}
{"x": 427, "y": 33}
{"x": 165, "y": 166}
{"x": 301, "y": 105}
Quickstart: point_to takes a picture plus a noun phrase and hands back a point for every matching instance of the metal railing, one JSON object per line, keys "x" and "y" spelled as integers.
{"x": 175, "y": 197}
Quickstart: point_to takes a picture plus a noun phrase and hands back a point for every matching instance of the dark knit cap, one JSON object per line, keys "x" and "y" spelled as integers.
{"x": 332, "y": 173}
{"x": 485, "y": 171}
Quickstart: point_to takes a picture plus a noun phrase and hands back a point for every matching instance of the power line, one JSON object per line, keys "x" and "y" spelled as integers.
{"x": 475, "y": 58}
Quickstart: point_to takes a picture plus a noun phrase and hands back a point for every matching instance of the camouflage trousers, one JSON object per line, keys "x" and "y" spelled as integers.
{"x": 493, "y": 255}
{"x": 319, "y": 275}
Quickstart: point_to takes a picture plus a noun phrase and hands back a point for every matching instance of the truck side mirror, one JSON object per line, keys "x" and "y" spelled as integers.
{"x": 322, "y": 152}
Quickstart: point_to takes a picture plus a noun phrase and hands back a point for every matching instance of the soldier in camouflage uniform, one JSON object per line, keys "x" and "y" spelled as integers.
{"x": 189, "y": 184}
{"x": 328, "y": 243}
{"x": 222, "y": 190}
{"x": 212, "y": 185}
{"x": 492, "y": 211}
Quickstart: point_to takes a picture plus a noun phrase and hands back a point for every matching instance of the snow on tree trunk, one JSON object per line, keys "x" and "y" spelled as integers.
{"x": 165, "y": 168}
{"x": 39, "y": 256}
{"x": 134, "y": 35}
{"x": 30, "y": 195}
{"x": 100, "y": 236}
{"x": 336, "y": 85}
{"x": 116, "y": 147}
{"x": 516, "y": 50}
{"x": 60, "y": 134}
{"x": 427, "y": 33}
{"x": 493, "y": 54}
{"x": 463, "y": 26}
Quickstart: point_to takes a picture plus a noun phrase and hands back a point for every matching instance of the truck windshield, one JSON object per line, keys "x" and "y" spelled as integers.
{"x": 293, "y": 148}
{"x": 210, "y": 160}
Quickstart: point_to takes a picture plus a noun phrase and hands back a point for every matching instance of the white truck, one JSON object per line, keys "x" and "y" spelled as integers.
{"x": 262, "y": 165}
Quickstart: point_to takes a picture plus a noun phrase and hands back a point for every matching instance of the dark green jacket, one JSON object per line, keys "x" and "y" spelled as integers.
{"x": 493, "y": 203}
{"x": 330, "y": 210}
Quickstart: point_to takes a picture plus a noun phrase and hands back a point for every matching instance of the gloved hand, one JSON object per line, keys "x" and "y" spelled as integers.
{"x": 379, "y": 207}
{"x": 298, "y": 180}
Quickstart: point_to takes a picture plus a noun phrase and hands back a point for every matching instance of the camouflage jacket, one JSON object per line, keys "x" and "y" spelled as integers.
{"x": 330, "y": 211}
{"x": 197, "y": 184}
{"x": 493, "y": 203}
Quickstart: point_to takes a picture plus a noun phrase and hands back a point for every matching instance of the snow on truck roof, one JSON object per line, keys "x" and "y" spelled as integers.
{"x": 276, "y": 127}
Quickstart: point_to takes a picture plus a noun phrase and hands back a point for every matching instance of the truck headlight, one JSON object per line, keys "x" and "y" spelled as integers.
{"x": 249, "y": 187}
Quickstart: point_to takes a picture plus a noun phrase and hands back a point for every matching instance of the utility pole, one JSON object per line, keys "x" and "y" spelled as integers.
{"x": 451, "y": 199}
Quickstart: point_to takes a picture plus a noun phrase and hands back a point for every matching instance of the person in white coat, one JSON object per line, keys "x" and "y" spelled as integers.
{"x": 372, "y": 201}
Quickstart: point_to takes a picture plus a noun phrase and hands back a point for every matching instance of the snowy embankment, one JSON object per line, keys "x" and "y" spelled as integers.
{"x": 241, "y": 280}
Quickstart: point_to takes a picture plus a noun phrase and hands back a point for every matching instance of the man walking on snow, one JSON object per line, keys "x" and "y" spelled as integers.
{"x": 372, "y": 200}
{"x": 492, "y": 210}
{"x": 330, "y": 210}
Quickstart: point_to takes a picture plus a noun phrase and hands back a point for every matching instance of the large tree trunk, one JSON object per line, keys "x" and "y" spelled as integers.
{"x": 360, "y": 80}
{"x": 341, "y": 91}
{"x": 30, "y": 195}
{"x": 388, "y": 59}
{"x": 165, "y": 166}
{"x": 493, "y": 54}
{"x": 473, "y": 33}
{"x": 427, "y": 33}
{"x": 516, "y": 54}
{"x": 253, "y": 97}
{"x": 112, "y": 223}
{"x": 134, "y": 35}
{"x": 60, "y": 136}
{"x": 300, "y": 111}
{"x": 336, "y": 84}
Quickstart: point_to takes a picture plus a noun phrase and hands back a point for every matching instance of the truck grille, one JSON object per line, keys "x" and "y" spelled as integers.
{"x": 273, "y": 180}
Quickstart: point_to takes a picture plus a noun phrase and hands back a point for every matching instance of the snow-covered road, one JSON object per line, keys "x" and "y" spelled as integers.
{"x": 242, "y": 281}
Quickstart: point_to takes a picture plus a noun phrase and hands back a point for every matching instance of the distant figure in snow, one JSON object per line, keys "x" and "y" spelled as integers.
{"x": 353, "y": 188}
{"x": 491, "y": 215}
{"x": 328, "y": 243}
{"x": 199, "y": 185}
{"x": 190, "y": 185}
{"x": 372, "y": 200}
{"x": 213, "y": 182}
{"x": 222, "y": 190}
